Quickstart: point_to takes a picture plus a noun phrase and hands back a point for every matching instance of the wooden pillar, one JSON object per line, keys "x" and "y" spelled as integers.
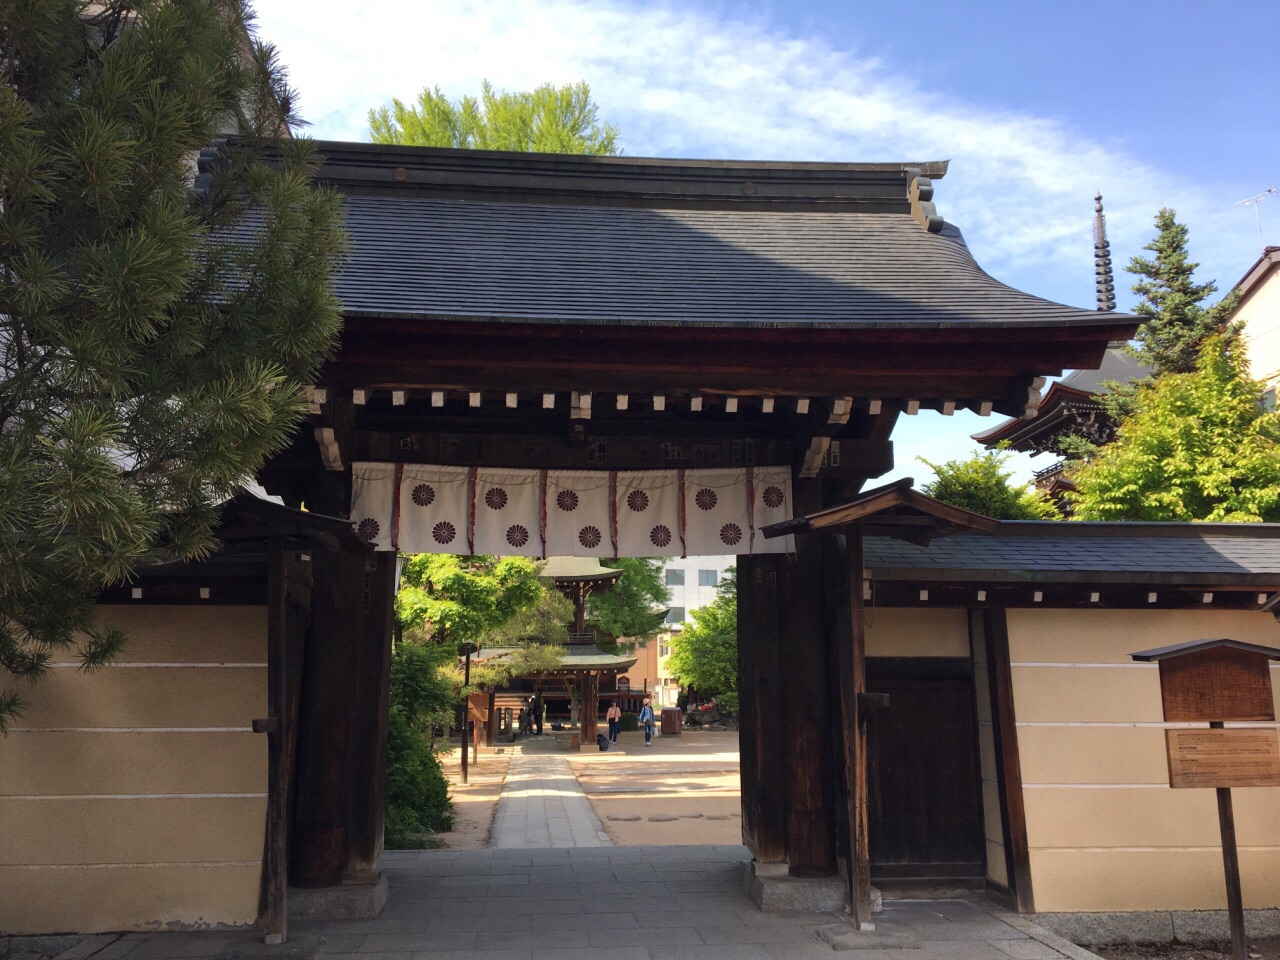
{"x": 1008, "y": 764}
{"x": 367, "y": 781}
{"x": 590, "y": 707}
{"x": 851, "y": 669}
{"x": 760, "y": 710}
{"x": 342, "y": 735}
{"x": 275, "y": 862}
{"x": 806, "y": 699}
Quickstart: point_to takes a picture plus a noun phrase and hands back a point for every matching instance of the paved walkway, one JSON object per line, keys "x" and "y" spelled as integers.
{"x": 543, "y": 806}
{"x": 610, "y": 903}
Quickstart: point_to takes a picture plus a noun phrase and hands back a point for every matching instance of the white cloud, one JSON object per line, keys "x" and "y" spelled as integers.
{"x": 688, "y": 83}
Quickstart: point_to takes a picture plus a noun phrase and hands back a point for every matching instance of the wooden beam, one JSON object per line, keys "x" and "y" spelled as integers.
{"x": 330, "y": 453}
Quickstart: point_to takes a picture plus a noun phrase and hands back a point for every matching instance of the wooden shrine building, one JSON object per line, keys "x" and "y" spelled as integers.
{"x": 603, "y": 356}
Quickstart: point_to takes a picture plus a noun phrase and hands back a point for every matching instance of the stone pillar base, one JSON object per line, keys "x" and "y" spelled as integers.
{"x": 349, "y": 901}
{"x": 772, "y": 889}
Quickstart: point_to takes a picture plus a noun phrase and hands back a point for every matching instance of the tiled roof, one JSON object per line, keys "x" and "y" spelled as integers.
{"x": 1195, "y": 553}
{"x": 565, "y": 263}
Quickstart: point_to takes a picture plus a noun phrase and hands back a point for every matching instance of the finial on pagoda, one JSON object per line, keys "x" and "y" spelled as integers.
{"x": 1104, "y": 279}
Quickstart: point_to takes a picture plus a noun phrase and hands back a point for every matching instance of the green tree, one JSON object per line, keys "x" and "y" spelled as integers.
{"x": 1178, "y": 324}
{"x": 705, "y": 653}
{"x": 155, "y": 329}
{"x": 979, "y": 484}
{"x": 548, "y": 119}
{"x": 458, "y": 600}
{"x": 633, "y": 608}
{"x": 1196, "y": 446}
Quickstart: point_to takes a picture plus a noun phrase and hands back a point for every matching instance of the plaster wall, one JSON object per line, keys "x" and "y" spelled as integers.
{"x": 1105, "y": 831}
{"x": 1260, "y": 313}
{"x": 134, "y": 798}
{"x": 916, "y": 632}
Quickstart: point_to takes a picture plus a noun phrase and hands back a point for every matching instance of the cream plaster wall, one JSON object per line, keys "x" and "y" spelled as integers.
{"x": 135, "y": 797}
{"x": 916, "y": 632}
{"x": 1105, "y": 831}
{"x": 1260, "y": 313}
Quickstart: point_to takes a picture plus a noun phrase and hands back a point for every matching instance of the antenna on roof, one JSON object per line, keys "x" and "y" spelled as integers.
{"x": 1254, "y": 201}
{"x": 1104, "y": 278}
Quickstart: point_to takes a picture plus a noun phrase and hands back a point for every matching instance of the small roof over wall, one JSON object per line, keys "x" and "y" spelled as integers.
{"x": 894, "y": 510}
{"x": 1195, "y": 646}
{"x": 1026, "y": 551}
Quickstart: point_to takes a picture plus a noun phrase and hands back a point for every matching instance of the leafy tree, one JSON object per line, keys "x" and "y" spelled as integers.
{"x": 459, "y": 600}
{"x": 705, "y": 653}
{"x": 1172, "y": 302}
{"x": 1196, "y": 446}
{"x": 548, "y": 119}
{"x": 632, "y": 609}
{"x": 155, "y": 329}
{"x": 979, "y": 484}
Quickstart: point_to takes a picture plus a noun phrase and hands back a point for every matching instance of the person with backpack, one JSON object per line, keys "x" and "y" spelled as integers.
{"x": 646, "y": 718}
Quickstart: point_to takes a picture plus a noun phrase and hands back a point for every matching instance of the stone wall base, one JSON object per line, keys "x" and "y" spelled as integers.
{"x": 1156, "y": 926}
{"x": 772, "y": 889}
{"x": 350, "y": 901}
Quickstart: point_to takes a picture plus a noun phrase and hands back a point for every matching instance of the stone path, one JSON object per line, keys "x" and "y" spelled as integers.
{"x": 543, "y": 806}
{"x": 607, "y": 903}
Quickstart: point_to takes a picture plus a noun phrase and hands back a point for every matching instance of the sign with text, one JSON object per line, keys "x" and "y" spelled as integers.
{"x": 478, "y": 707}
{"x": 1223, "y": 758}
{"x": 1216, "y": 684}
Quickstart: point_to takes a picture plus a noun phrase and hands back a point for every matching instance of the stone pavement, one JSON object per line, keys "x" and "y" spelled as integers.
{"x": 543, "y": 806}
{"x": 606, "y": 903}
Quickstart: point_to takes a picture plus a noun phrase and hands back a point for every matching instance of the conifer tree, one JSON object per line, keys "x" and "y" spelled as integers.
{"x": 1172, "y": 302}
{"x": 548, "y": 119}
{"x": 161, "y": 302}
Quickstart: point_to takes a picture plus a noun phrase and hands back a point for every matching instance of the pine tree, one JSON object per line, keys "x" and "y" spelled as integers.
{"x": 548, "y": 119}
{"x": 157, "y": 318}
{"x": 1195, "y": 446}
{"x": 1172, "y": 302}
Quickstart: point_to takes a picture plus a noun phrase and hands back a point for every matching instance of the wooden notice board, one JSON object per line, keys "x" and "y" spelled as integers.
{"x": 478, "y": 707}
{"x": 1216, "y": 684}
{"x": 1223, "y": 758}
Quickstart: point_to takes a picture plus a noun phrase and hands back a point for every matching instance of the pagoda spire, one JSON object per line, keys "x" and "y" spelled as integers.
{"x": 1104, "y": 278}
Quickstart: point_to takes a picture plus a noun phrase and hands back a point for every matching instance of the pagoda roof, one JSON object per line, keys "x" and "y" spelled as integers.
{"x": 574, "y": 569}
{"x": 1054, "y": 414}
{"x": 457, "y": 235}
{"x": 573, "y": 660}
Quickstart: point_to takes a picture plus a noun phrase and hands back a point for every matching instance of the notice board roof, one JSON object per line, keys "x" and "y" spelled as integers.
{"x": 1195, "y": 646}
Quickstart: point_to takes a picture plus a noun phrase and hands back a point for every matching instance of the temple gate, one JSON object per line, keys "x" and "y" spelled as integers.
{"x": 728, "y": 343}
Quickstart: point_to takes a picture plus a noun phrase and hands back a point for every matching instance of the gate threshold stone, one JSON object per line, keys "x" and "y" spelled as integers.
{"x": 886, "y": 936}
{"x": 350, "y": 901}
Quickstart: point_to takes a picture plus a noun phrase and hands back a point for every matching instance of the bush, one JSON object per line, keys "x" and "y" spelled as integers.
{"x": 630, "y": 722}
{"x": 417, "y": 791}
{"x": 728, "y": 704}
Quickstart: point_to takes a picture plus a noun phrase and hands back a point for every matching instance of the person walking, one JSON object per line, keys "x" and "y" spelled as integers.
{"x": 646, "y": 717}
{"x": 614, "y": 716}
{"x": 537, "y": 713}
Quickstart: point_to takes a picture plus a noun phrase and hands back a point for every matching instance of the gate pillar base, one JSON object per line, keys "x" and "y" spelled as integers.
{"x": 347, "y": 901}
{"x": 773, "y": 891}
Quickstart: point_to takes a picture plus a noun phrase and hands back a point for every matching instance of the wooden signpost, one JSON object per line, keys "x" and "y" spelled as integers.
{"x": 1217, "y": 681}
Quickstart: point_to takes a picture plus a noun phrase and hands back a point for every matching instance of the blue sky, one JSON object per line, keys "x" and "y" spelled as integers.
{"x": 1037, "y": 105}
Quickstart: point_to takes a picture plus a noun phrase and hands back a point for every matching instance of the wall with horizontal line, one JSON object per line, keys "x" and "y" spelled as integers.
{"x": 1105, "y": 830}
{"x": 134, "y": 797}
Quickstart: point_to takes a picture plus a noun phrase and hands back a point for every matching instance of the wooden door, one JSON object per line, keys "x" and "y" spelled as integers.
{"x": 924, "y": 795}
